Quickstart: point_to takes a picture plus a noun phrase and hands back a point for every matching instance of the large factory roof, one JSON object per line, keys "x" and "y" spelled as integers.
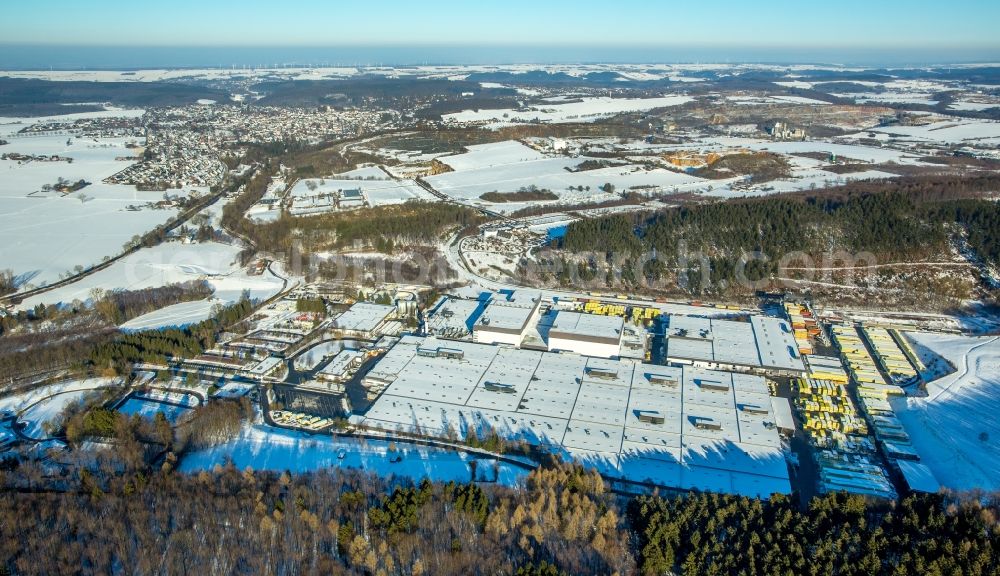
{"x": 364, "y": 316}
{"x": 776, "y": 344}
{"x": 587, "y": 327}
{"x": 454, "y": 317}
{"x": 505, "y": 317}
{"x": 761, "y": 343}
{"x": 679, "y": 427}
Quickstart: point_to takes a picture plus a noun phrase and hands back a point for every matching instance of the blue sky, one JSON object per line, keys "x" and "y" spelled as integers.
{"x": 966, "y": 24}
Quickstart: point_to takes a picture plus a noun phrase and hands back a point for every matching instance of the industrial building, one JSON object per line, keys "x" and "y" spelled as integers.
{"x": 764, "y": 345}
{"x": 504, "y": 322}
{"x": 365, "y": 320}
{"x": 453, "y": 318}
{"x": 587, "y": 334}
{"x": 679, "y": 427}
{"x": 342, "y": 366}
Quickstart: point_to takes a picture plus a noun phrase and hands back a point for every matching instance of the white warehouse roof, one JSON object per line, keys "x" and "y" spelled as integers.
{"x": 680, "y": 427}
{"x": 587, "y": 327}
{"x": 505, "y": 317}
{"x": 776, "y": 344}
{"x": 364, "y": 316}
{"x": 763, "y": 342}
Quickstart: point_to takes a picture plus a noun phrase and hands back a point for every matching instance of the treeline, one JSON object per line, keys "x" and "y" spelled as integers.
{"x": 39, "y": 352}
{"x": 138, "y": 439}
{"x": 332, "y": 522}
{"x": 911, "y": 220}
{"x": 104, "y": 307}
{"x": 213, "y": 423}
{"x": 712, "y": 534}
{"x": 233, "y": 212}
{"x": 165, "y": 345}
{"x": 563, "y": 521}
{"x": 30, "y": 345}
{"x": 7, "y": 283}
{"x": 385, "y": 226}
{"x": 119, "y": 306}
{"x": 314, "y": 305}
{"x": 530, "y": 194}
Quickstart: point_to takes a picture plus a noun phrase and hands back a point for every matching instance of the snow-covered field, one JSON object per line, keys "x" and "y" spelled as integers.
{"x": 19, "y": 402}
{"x": 44, "y": 404}
{"x": 955, "y": 429}
{"x": 973, "y": 106}
{"x": 749, "y": 100}
{"x": 266, "y": 448}
{"x": 48, "y": 234}
{"x": 857, "y": 152}
{"x": 509, "y": 166}
{"x": 46, "y": 413}
{"x": 177, "y": 315}
{"x": 311, "y": 358}
{"x": 949, "y": 131}
{"x": 159, "y": 75}
{"x": 168, "y": 263}
{"x": 493, "y": 154}
{"x": 587, "y": 110}
{"x": 149, "y": 408}
{"x": 234, "y": 390}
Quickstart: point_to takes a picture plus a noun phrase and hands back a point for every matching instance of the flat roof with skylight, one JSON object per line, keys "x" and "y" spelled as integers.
{"x": 364, "y": 317}
{"x": 587, "y": 327}
{"x": 505, "y": 317}
{"x": 676, "y": 426}
{"x": 763, "y": 343}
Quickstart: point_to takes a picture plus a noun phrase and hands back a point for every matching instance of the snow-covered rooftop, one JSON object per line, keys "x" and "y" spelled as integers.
{"x": 763, "y": 342}
{"x": 684, "y": 427}
{"x": 364, "y": 316}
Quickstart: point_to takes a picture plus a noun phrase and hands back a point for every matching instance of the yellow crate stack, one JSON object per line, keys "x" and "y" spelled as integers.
{"x": 804, "y": 326}
{"x": 638, "y": 314}
{"x": 860, "y": 364}
{"x": 828, "y": 413}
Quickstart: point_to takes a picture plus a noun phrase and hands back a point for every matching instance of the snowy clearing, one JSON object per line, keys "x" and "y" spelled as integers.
{"x": 312, "y": 358}
{"x": 45, "y": 414}
{"x": 169, "y": 263}
{"x": 44, "y": 405}
{"x": 955, "y": 429}
{"x": 150, "y": 408}
{"x": 508, "y": 167}
{"x": 49, "y": 233}
{"x": 950, "y": 131}
{"x": 265, "y": 448}
{"x": 18, "y": 402}
{"x": 494, "y": 154}
{"x": 587, "y": 110}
